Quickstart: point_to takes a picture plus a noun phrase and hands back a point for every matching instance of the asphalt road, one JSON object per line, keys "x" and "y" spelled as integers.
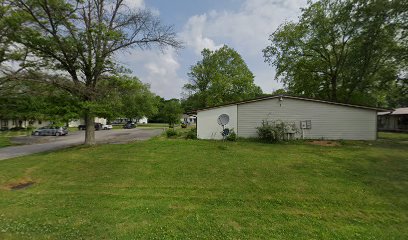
{"x": 36, "y": 144}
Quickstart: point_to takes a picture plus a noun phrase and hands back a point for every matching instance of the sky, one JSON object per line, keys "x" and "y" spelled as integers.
{"x": 243, "y": 25}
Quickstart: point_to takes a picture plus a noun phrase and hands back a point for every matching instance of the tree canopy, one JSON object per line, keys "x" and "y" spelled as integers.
{"x": 169, "y": 111}
{"x": 78, "y": 39}
{"x": 118, "y": 96}
{"x": 343, "y": 51}
{"x": 172, "y": 111}
{"x": 221, "y": 76}
{"x": 38, "y": 101}
{"x": 9, "y": 51}
{"x": 127, "y": 97}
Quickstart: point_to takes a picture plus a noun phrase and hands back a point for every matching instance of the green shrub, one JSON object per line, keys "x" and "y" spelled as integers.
{"x": 232, "y": 136}
{"x": 183, "y": 125}
{"x": 17, "y": 129}
{"x": 274, "y": 131}
{"x": 192, "y": 134}
{"x": 29, "y": 129}
{"x": 171, "y": 132}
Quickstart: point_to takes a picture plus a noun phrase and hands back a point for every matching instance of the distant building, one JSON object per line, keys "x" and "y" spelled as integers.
{"x": 393, "y": 121}
{"x": 77, "y": 122}
{"x": 143, "y": 120}
{"x": 189, "y": 119}
{"x": 6, "y": 124}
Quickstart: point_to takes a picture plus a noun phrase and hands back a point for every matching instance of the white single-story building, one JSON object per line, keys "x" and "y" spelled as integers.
{"x": 6, "y": 124}
{"x": 314, "y": 119}
{"x": 190, "y": 119}
{"x": 77, "y": 122}
{"x": 143, "y": 120}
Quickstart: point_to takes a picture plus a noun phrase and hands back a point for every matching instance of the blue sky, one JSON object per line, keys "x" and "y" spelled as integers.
{"x": 241, "y": 24}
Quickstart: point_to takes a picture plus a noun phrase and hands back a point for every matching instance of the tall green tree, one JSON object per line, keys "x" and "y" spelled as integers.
{"x": 39, "y": 101}
{"x": 10, "y": 54}
{"x": 169, "y": 111}
{"x": 397, "y": 93}
{"x": 129, "y": 98}
{"x": 79, "y": 38}
{"x": 172, "y": 111}
{"x": 339, "y": 50}
{"x": 158, "y": 117}
{"x": 221, "y": 76}
{"x": 118, "y": 96}
{"x": 398, "y": 96}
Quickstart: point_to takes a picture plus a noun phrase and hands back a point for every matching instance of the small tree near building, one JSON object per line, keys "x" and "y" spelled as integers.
{"x": 172, "y": 111}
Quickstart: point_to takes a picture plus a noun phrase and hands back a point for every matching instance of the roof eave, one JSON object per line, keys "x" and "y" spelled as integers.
{"x": 295, "y": 97}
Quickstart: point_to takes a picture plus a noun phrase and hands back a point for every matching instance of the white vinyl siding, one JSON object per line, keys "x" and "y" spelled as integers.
{"x": 207, "y": 126}
{"x": 328, "y": 121}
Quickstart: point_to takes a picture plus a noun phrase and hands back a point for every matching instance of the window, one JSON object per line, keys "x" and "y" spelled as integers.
{"x": 306, "y": 124}
{"x": 14, "y": 122}
{"x": 4, "y": 123}
{"x": 309, "y": 124}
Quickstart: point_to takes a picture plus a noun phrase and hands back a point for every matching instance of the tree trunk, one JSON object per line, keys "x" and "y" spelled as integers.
{"x": 90, "y": 129}
{"x": 333, "y": 88}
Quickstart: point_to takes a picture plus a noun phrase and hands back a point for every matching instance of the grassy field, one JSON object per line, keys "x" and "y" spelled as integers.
{"x": 6, "y": 135}
{"x": 393, "y": 136}
{"x": 154, "y": 125}
{"x": 73, "y": 129}
{"x": 185, "y": 189}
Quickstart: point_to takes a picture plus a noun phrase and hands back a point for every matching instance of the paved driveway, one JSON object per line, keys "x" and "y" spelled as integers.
{"x": 36, "y": 144}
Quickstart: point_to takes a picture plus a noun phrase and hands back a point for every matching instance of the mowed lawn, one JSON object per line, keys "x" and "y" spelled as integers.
{"x": 393, "y": 136}
{"x": 5, "y": 137}
{"x": 186, "y": 189}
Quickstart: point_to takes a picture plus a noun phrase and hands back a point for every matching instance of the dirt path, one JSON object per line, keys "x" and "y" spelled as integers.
{"x": 36, "y": 144}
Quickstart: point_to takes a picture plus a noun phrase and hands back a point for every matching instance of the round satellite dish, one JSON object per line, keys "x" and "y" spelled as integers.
{"x": 223, "y": 119}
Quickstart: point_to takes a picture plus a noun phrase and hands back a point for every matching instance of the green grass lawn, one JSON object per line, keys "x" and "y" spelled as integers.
{"x": 73, "y": 129}
{"x": 393, "y": 136}
{"x": 154, "y": 125}
{"x": 5, "y": 137}
{"x": 185, "y": 189}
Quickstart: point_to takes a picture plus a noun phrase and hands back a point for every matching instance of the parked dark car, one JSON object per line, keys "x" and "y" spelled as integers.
{"x": 50, "y": 131}
{"x": 98, "y": 126}
{"x": 129, "y": 125}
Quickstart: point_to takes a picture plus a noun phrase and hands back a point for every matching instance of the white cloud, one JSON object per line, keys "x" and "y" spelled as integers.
{"x": 140, "y": 4}
{"x": 246, "y": 30}
{"x": 135, "y": 3}
{"x": 156, "y": 68}
{"x": 193, "y": 34}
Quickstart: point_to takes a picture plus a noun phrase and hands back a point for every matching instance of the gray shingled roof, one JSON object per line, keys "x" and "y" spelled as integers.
{"x": 400, "y": 111}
